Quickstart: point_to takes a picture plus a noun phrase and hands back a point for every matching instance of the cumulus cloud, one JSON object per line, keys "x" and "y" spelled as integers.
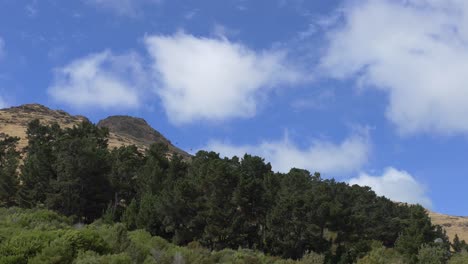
{"x": 416, "y": 50}
{"x": 102, "y": 80}
{"x": 396, "y": 185}
{"x": 214, "y": 78}
{"x": 122, "y": 7}
{"x": 326, "y": 157}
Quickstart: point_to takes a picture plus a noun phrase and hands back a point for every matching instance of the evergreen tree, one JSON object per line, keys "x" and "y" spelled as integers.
{"x": 81, "y": 187}
{"x": 459, "y": 245}
{"x": 250, "y": 201}
{"x": 418, "y": 231}
{"x": 38, "y": 169}
{"x": 9, "y": 160}
{"x": 290, "y": 227}
{"x": 125, "y": 163}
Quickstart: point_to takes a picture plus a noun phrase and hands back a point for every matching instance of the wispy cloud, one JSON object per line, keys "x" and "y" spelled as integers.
{"x": 31, "y": 9}
{"x": 130, "y": 8}
{"x": 3, "y": 103}
{"x": 415, "y": 50}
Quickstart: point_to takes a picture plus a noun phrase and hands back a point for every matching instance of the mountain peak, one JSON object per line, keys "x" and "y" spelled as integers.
{"x": 138, "y": 130}
{"x": 124, "y": 130}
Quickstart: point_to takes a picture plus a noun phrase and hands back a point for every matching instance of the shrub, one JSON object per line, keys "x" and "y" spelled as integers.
{"x": 381, "y": 255}
{"x": 25, "y": 245}
{"x": 312, "y": 258}
{"x": 56, "y": 253}
{"x": 85, "y": 239}
{"x": 90, "y": 257}
{"x": 460, "y": 258}
{"x": 432, "y": 254}
{"x": 33, "y": 219}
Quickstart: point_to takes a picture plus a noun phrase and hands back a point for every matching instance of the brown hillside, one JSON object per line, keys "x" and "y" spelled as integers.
{"x": 124, "y": 130}
{"x": 452, "y": 224}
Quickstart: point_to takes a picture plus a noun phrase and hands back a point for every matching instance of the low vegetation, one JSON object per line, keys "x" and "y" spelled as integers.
{"x": 73, "y": 201}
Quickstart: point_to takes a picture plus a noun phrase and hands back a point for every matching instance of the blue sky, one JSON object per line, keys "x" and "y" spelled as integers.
{"x": 369, "y": 92}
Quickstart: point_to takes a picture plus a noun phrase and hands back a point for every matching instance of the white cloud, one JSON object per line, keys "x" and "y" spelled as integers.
{"x": 416, "y": 50}
{"x": 213, "y": 78}
{"x": 101, "y": 80}
{"x": 122, "y": 7}
{"x": 396, "y": 185}
{"x": 325, "y": 157}
{"x": 3, "y": 103}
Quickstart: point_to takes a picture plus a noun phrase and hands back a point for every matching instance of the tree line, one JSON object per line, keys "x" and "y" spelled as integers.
{"x": 221, "y": 203}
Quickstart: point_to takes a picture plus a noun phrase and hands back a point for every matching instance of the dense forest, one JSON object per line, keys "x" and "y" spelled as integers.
{"x": 70, "y": 199}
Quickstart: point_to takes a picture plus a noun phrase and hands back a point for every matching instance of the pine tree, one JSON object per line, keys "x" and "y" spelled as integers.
{"x": 459, "y": 245}
{"x": 38, "y": 168}
{"x": 9, "y": 160}
{"x": 250, "y": 201}
{"x": 81, "y": 187}
{"x": 125, "y": 164}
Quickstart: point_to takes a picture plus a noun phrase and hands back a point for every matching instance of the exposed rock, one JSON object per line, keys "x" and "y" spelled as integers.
{"x": 136, "y": 130}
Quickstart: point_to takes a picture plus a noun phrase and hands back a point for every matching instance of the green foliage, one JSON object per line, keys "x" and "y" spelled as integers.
{"x": 312, "y": 258}
{"x": 459, "y": 258}
{"x": 38, "y": 168}
{"x": 90, "y": 257}
{"x": 9, "y": 160}
{"x": 434, "y": 254}
{"x": 382, "y": 255}
{"x": 417, "y": 232}
{"x": 25, "y": 245}
{"x": 32, "y": 219}
{"x": 125, "y": 163}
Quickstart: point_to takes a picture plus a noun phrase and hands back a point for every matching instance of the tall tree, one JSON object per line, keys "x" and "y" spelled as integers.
{"x": 250, "y": 201}
{"x": 9, "y": 160}
{"x": 125, "y": 163}
{"x": 81, "y": 187}
{"x": 38, "y": 168}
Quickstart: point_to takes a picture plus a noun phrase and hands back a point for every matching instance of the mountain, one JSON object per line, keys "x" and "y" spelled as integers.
{"x": 123, "y": 130}
{"x": 126, "y": 130}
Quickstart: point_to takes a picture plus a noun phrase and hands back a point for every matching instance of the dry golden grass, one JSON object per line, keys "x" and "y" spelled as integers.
{"x": 452, "y": 224}
{"x": 14, "y": 122}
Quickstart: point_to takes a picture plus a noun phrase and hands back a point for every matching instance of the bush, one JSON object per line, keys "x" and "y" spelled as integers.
{"x": 312, "y": 258}
{"x": 25, "y": 245}
{"x": 33, "y": 219}
{"x": 91, "y": 257}
{"x": 381, "y": 255}
{"x": 432, "y": 254}
{"x": 116, "y": 236}
{"x": 56, "y": 253}
{"x": 460, "y": 258}
{"x": 66, "y": 248}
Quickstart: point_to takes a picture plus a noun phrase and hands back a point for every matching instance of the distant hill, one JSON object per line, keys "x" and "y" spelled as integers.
{"x": 124, "y": 130}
